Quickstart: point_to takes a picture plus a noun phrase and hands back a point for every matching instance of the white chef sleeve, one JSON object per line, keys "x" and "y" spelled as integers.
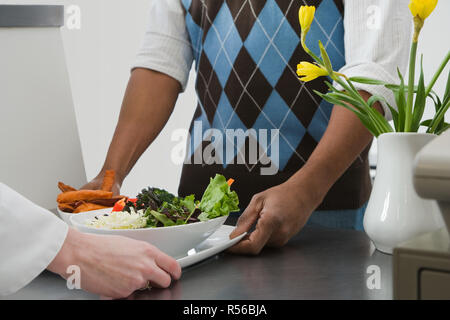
{"x": 166, "y": 47}
{"x": 30, "y": 238}
{"x": 377, "y": 41}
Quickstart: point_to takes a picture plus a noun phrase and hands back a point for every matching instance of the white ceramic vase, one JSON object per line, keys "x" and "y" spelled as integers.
{"x": 395, "y": 213}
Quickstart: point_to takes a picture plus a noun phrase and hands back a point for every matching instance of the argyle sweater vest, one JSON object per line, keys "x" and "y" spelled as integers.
{"x": 255, "y": 121}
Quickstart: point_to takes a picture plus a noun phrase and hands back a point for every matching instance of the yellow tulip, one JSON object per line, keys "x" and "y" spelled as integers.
{"x": 422, "y": 8}
{"x": 308, "y": 71}
{"x": 306, "y": 17}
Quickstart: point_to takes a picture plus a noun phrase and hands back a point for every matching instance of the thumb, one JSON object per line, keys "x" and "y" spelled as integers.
{"x": 248, "y": 218}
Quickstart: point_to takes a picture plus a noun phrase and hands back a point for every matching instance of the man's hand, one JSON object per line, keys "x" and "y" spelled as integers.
{"x": 279, "y": 213}
{"x": 113, "y": 266}
{"x": 96, "y": 184}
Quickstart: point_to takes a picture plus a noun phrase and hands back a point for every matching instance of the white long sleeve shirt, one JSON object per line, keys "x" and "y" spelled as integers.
{"x": 30, "y": 237}
{"x": 377, "y": 41}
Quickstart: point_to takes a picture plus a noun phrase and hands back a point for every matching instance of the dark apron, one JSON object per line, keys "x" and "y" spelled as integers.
{"x": 246, "y": 53}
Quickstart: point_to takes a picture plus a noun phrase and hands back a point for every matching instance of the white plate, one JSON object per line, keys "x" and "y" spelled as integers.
{"x": 216, "y": 243}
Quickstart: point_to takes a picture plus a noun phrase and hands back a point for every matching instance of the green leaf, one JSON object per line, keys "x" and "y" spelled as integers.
{"x": 395, "y": 87}
{"x": 325, "y": 58}
{"x": 162, "y": 218}
{"x": 331, "y": 87}
{"x": 439, "y": 117}
{"x": 218, "y": 200}
{"x": 361, "y": 115}
{"x": 394, "y": 116}
{"x": 439, "y": 126}
{"x": 331, "y": 98}
{"x": 368, "y": 123}
{"x": 436, "y": 101}
{"x": 400, "y": 100}
{"x": 438, "y": 73}
{"x": 189, "y": 202}
{"x": 426, "y": 123}
{"x": 444, "y": 128}
{"x": 344, "y": 97}
{"x": 203, "y": 216}
{"x": 368, "y": 81}
{"x": 447, "y": 90}
{"x": 180, "y": 222}
{"x": 386, "y": 127}
{"x": 379, "y": 123}
{"x": 419, "y": 105}
{"x": 374, "y": 99}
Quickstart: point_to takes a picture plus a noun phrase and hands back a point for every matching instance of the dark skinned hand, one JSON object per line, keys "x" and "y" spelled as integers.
{"x": 279, "y": 213}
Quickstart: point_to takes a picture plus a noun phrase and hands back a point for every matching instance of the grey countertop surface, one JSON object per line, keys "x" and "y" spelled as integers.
{"x": 318, "y": 263}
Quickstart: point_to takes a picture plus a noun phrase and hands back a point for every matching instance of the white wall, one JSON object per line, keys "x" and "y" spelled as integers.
{"x": 99, "y": 56}
{"x": 434, "y": 44}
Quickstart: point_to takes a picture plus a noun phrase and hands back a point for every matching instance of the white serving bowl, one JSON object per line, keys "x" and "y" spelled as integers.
{"x": 176, "y": 241}
{"x": 65, "y": 216}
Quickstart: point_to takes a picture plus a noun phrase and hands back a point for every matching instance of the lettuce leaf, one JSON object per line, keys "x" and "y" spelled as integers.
{"x": 161, "y": 218}
{"x": 218, "y": 199}
{"x": 189, "y": 202}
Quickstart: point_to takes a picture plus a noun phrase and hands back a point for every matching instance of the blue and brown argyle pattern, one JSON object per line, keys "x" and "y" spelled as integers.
{"x": 246, "y": 53}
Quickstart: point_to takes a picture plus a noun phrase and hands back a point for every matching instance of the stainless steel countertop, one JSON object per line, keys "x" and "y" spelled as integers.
{"x": 318, "y": 263}
{"x": 31, "y": 16}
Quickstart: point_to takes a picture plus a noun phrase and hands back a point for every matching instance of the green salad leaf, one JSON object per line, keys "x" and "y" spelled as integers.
{"x": 161, "y": 217}
{"x": 204, "y": 216}
{"x": 161, "y": 208}
{"x": 189, "y": 203}
{"x": 218, "y": 199}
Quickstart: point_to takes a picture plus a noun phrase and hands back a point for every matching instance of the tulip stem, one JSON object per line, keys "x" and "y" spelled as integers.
{"x": 309, "y": 52}
{"x": 412, "y": 72}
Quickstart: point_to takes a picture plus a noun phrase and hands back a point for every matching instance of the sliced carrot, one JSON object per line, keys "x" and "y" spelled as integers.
{"x": 65, "y": 188}
{"x": 83, "y": 195}
{"x": 230, "y": 182}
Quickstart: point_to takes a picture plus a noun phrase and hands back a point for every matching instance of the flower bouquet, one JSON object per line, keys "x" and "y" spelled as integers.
{"x": 408, "y": 115}
{"x": 394, "y": 213}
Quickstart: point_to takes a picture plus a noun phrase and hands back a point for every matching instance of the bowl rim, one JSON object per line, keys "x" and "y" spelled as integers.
{"x": 76, "y": 224}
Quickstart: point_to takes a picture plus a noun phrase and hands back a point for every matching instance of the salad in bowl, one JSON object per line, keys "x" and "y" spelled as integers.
{"x": 173, "y": 224}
